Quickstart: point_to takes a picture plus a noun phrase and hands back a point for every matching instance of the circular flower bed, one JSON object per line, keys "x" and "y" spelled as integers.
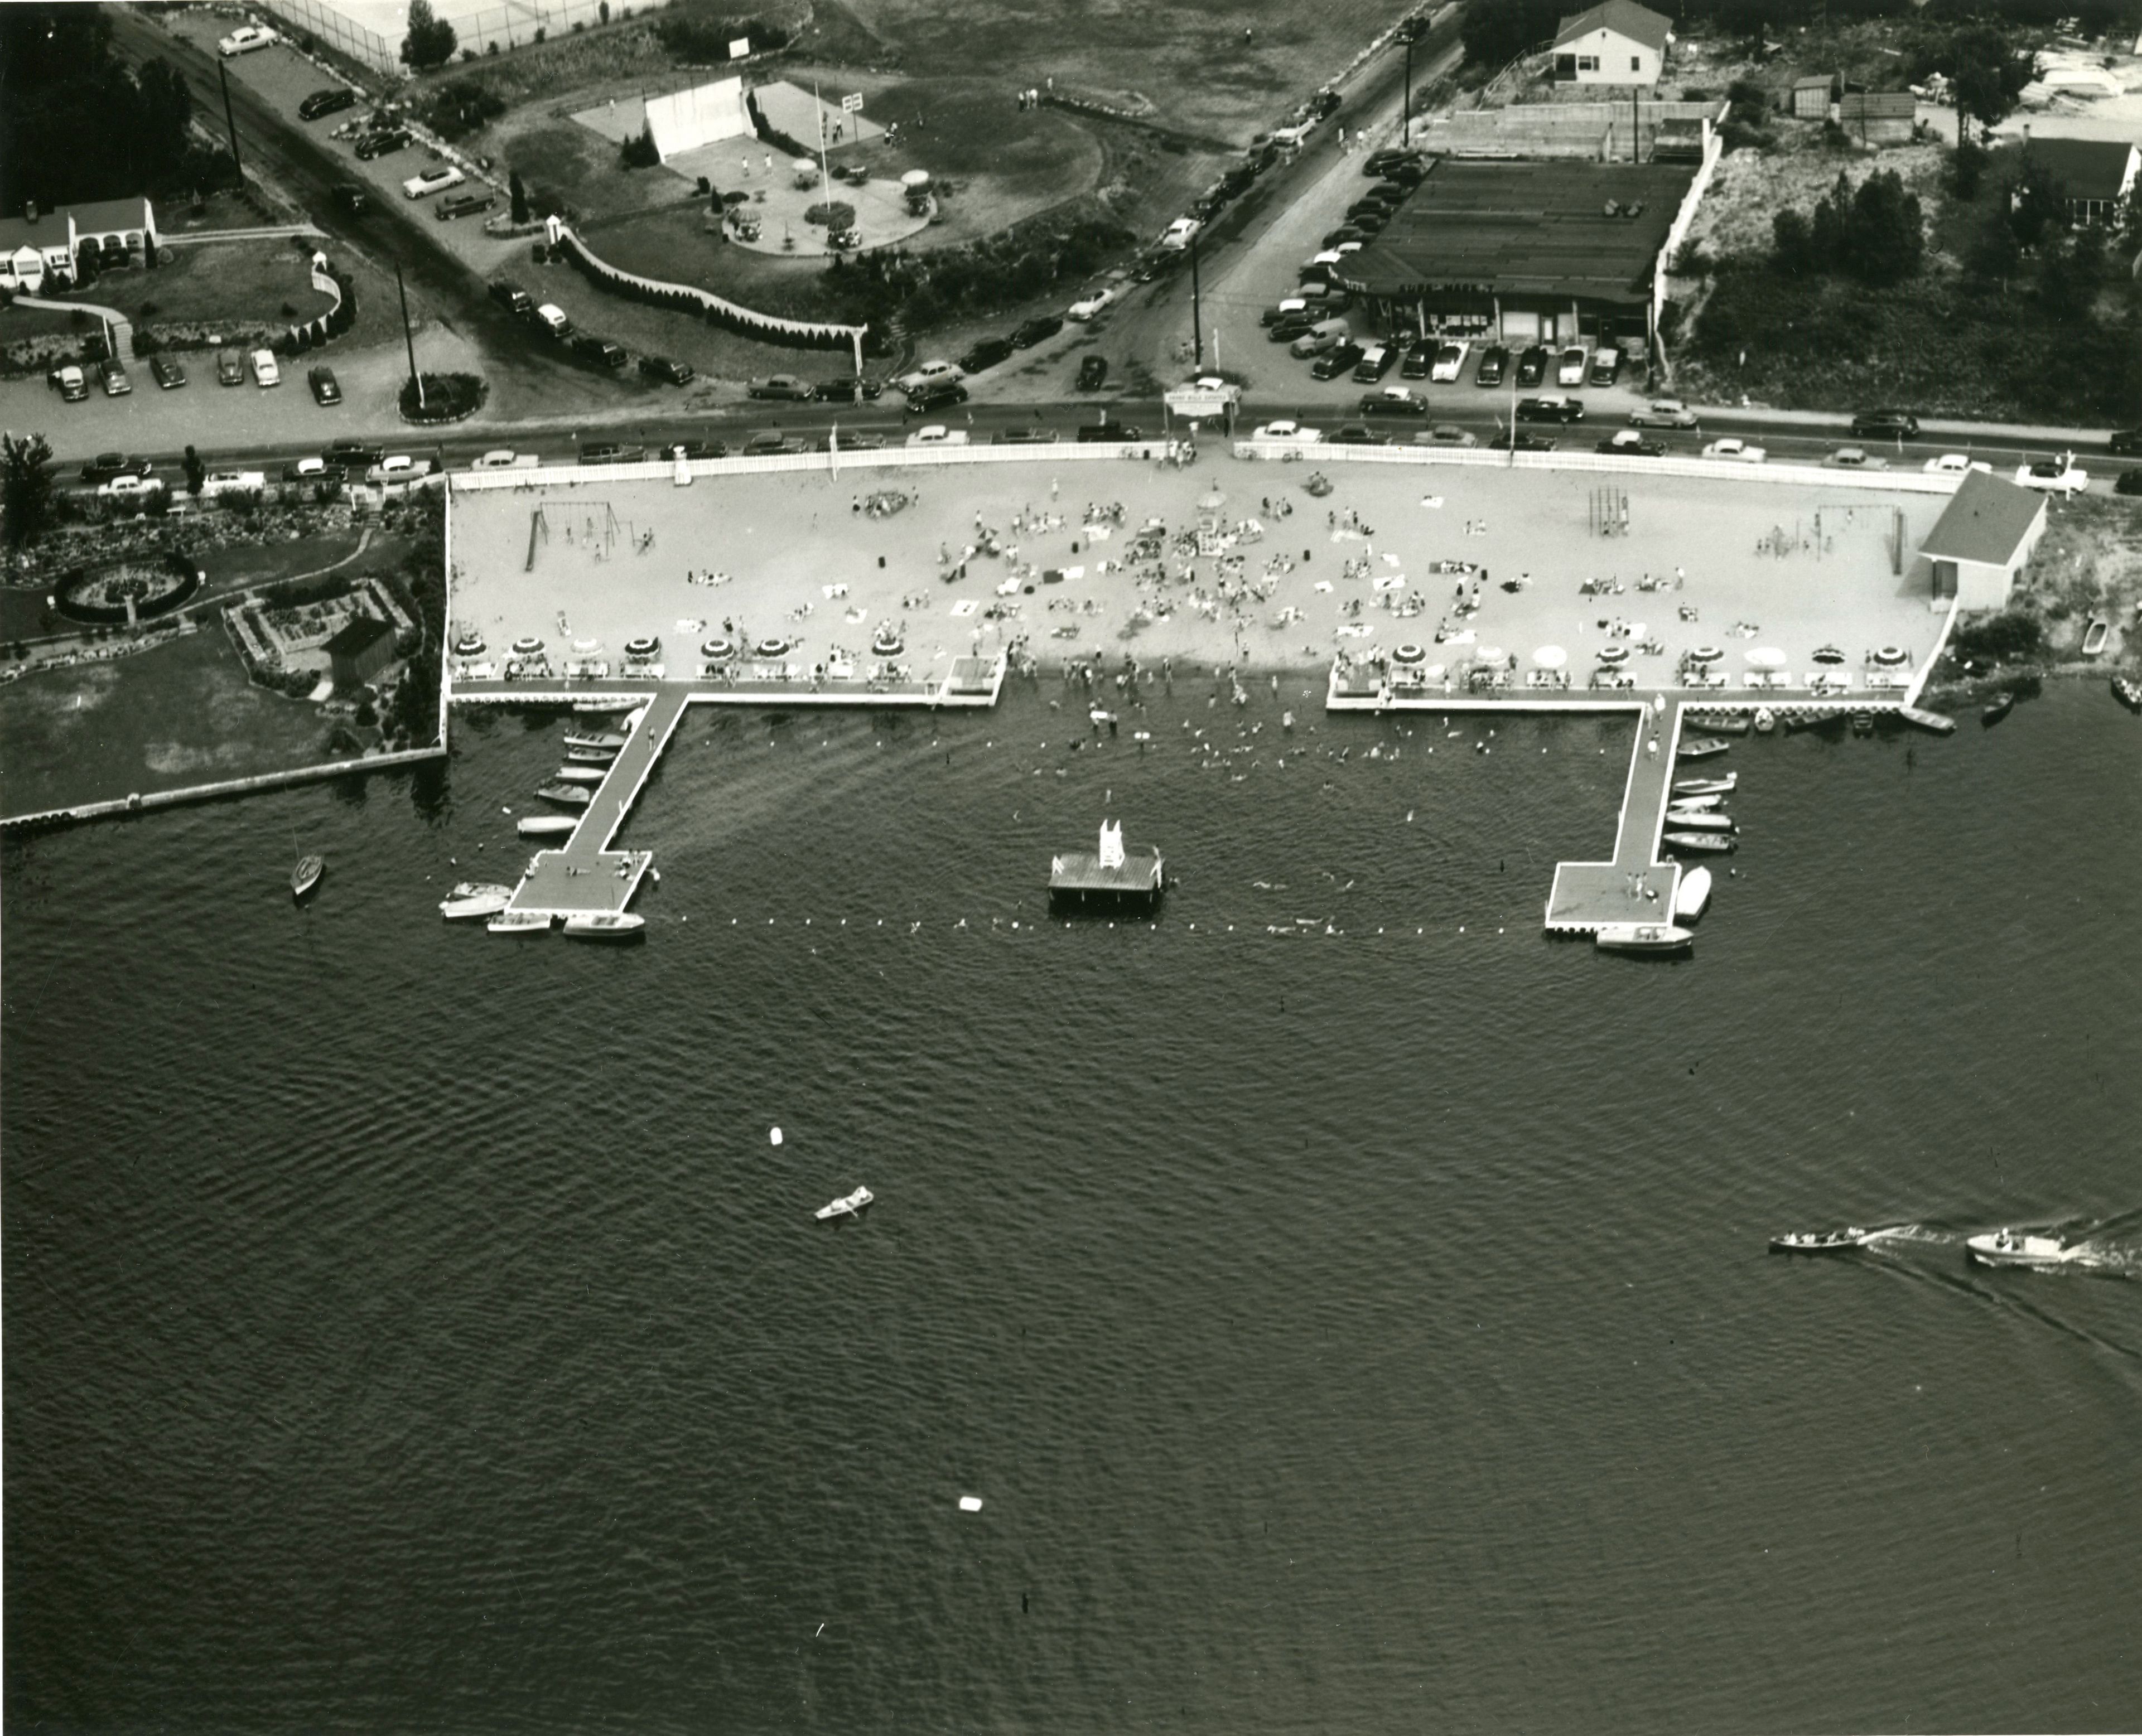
{"x": 447, "y": 398}
{"x": 156, "y": 584}
{"x": 833, "y": 214}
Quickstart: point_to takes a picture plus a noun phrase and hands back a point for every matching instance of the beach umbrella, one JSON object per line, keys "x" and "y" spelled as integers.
{"x": 1211, "y": 502}
{"x": 1765, "y": 657}
{"x": 1891, "y": 655}
{"x": 1613, "y": 654}
{"x": 1710, "y": 653}
{"x": 1828, "y": 655}
{"x": 1550, "y": 656}
{"x": 1494, "y": 654}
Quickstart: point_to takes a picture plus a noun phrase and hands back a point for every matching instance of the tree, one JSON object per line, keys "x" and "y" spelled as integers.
{"x": 1792, "y": 243}
{"x": 2037, "y": 207}
{"x": 1496, "y": 34}
{"x": 1988, "y": 74}
{"x": 196, "y": 471}
{"x": 1885, "y": 233}
{"x": 431, "y": 41}
{"x": 29, "y": 496}
{"x": 518, "y": 193}
{"x": 75, "y": 122}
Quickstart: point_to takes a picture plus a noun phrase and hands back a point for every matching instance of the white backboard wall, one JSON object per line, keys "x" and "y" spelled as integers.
{"x": 703, "y": 115}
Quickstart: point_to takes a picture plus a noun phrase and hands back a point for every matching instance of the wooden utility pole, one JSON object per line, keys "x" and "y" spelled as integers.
{"x": 1196, "y": 317}
{"x": 408, "y": 338}
{"x": 229, "y": 120}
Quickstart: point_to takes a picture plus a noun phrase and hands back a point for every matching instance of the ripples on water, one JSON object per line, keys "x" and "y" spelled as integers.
{"x": 1366, "y": 1325}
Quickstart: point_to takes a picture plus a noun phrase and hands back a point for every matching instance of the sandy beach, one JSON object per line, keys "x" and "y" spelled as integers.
{"x": 1226, "y": 562}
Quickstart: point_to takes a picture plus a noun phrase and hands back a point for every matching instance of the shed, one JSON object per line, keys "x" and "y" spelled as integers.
{"x": 361, "y": 648}
{"x": 1809, "y": 98}
{"x": 1878, "y": 117}
{"x": 1978, "y": 546}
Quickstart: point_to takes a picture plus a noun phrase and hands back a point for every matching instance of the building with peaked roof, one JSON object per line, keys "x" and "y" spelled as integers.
{"x": 2094, "y": 178}
{"x": 40, "y": 249}
{"x": 1878, "y": 117}
{"x": 1979, "y": 545}
{"x": 360, "y": 649}
{"x": 1618, "y": 42}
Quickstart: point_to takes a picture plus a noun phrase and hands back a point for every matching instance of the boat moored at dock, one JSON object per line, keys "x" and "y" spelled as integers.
{"x": 520, "y": 922}
{"x": 566, "y": 795}
{"x": 1692, "y": 895}
{"x": 1722, "y": 784}
{"x": 605, "y": 925}
{"x": 1643, "y": 937}
{"x": 591, "y": 755}
{"x": 1735, "y": 724}
{"x": 1111, "y": 879}
{"x": 609, "y": 738}
{"x": 580, "y": 774}
{"x": 1702, "y": 747}
{"x": 1701, "y": 843}
{"x": 471, "y": 899}
{"x": 1939, "y": 722}
{"x": 547, "y": 825}
{"x": 1997, "y": 707}
{"x": 1699, "y": 820}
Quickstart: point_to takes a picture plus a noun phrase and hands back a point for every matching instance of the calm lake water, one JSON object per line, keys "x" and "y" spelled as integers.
{"x": 1367, "y": 1324}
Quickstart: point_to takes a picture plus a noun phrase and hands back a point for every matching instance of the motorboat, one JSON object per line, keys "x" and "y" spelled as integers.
{"x": 1723, "y": 785}
{"x": 605, "y": 925}
{"x": 306, "y": 874}
{"x": 1701, "y": 843}
{"x": 1997, "y": 707}
{"x": 469, "y": 901}
{"x": 1692, "y": 897}
{"x": 1822, "y": 1241}
{"x": 2128, "y": 692}
{"x": 609, "y": 738}
{"x": 1643, "y": 937}
{"x": 520, "y": 922}
{"x": 566, "y": 795}
{"x": 1719, "y": 722}
{"x": 1697, "y": 804}
{"x": 1940, "y": 722}
{"x": 2005, "y": 1248}
{"x": 579, "y": 775}
{"x": 848, "y": 1205}
{"x": 1700, "y": 820}
{"x": 547, "y": 825}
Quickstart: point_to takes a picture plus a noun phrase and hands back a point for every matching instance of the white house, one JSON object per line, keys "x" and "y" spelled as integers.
{"x": 1619, "y": 42}
{"x": 39, "y": 249}
{"x": 1977, "y": 548}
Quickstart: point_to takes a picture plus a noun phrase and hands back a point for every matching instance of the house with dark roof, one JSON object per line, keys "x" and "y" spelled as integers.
{"x": 1979, "y": 545}
{"x": 41, "y": 250}
{"x": 2093, "y": 179}
{"x": 1619, "y": 42}
{"x": 360, "y": 649}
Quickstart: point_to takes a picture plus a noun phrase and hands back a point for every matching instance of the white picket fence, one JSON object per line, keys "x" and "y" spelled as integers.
{"x": 884, "y": 458}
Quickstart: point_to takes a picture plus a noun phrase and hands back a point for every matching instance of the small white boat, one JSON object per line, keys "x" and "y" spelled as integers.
{"x": 547, "y": 825}
{"x": 847, "y": 1206}
{"x": 469, "y": 901}
{"x": 520, "y": 922}
{"x": 1692, "y": 894}
{"x": 2005, "y": 1248}
{"x": 591, "y": 755}
{"x": 609, "y": 738}
{"x": 566, "y": 795}
{"x": 1644, "y": 937}
{"x": 580, "y": 774}
{"x": 1939, "y": 722}
{"x": 306, "y": 874}
{"x": 1698, "y": 820}
{"x": 605, "y": 925}
{"x": 1720, "y": 785}
{"x": 1696, "y": 804}
{"x": 1702, "y": 747}
{"x": 1766, "y": 720}
{"x": 2094, "y": 636}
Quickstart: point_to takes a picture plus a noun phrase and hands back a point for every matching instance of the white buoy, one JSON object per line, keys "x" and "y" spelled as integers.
{"x": 971, "y": 1503}
{"x": 775, "y": 1135}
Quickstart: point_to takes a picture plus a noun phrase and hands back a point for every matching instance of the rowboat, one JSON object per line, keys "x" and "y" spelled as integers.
{"x": 1766, "y": 720}
{"x": 579, "y": 775}
{"x": 1702, "y": 747}
{"x": 1692, "y": 894}
{"x": 2094, "y": 636}
{"x": 1719, "y": 786}
{"x": 2128, "y": 692}
{"x": 1822, "y": 1241}
{"x": 609, "y": 738}
{"x": 547, "y": 825}
{"x": 1643, "y": 937}
{"x": 1940, "y": 722}
{"x": 1997, "y": 707}
{"x": 847, "y": 1206}
{"x": 591, "y": 755}
{"x": 1699, "y": 820}
{"x": 1697, "y": 804}
{"x": 1700, "y": 843}
{"x": 520, "y": 922}
{"x": 1719, "y": 722}
{"x": 605, "y": 925}
{"x": 470, "y": 900}
{"x": 306, "y": 874}
{"x": 566, "y": 795}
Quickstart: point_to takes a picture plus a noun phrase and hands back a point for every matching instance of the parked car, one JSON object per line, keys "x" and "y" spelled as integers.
{"x": 1732, "y": 451}
{"x": 1419, "y": 361}
{"x": 1294, "y": 326}
{"x": 1025, "y": 436}
{"x": 1556, "y": 409}
{"x": 1037, "y": 330}
{"x": 937, "y": 434}
{"x": 68, "y": 381}
{"x": 669, "y": 373}
{"x": 384, "y": 142}
{"x": 1287, "y": 430}
{"x": 1176, "y": 235}
{"x": 1526, "y": 441}
{"x": 1393, "y": 401}
{"x": 1531, "y": 365}
{"x": 1367, "y": 226}
{"x": 1358, "y": 434}
{"x": 1605, "y": 366}
{"x": 592, "y": 349}
{"x": 1104, "y": 430}
{"x": 1885, "y": 425}
{"x": 1494, "y": 364}
{"x": 113, "y": 372}
{"x": 930, "y": 374}
{"x": 463, "y": 205}
{"x": 1375, "y": 363}
{"x": 427, "y": 182}
{"x": 691, "y": 450}
{"x": 1955, "y": 464}
{"x": 1569, "y": 370}
{"x": 1450, "y": 360}
{"x": 2061, "y": 475}
{"x": 1854, "y": 457}
{"x": 497, "y": 458}
{"x": 229, "y": 368}
{"x": 844, "y": 239}
{"x": 1318, "y": 339}
{"x": 936, "y": 395}
{"x": 1338, "y": 359}
{"x": 1287, "y": 306}
{"x": 1092, "y": 373}
{"x": 549, "y": 319}
{"x": 986, "y": 352}
{"x": 848, "y": 389}
{"x": 349, "y": 198}
{"x": 1663, "y": 413}
{"x": 105, "y": 465}
{"x": 332, "y": 101}
{"x": 1445, "y": 434}
{"x": 1334, "y": 239}
{"x": 326, "y": 388}
{"x": 244, "y": 39}
{"x": 312, "y": 470}
{"x": 167, "y": 374}
{"x": 352, "y": 455}
{"x": 1086, "y": 306}
{"x": 2125, "y": 443}
{"x": 396, "y": 468}
{"x": 608, "y": 451}
{"x": 1633, "y": 443}
{"x": 513, "y": 299}
{"x": 130, "y": 488}
{"x": 768, "y": 445}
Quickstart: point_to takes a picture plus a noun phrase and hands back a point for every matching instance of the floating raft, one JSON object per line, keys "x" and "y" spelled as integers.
{"x": 1111, "y": 878}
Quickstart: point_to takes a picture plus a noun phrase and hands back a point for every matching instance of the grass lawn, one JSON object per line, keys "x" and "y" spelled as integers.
{"x": 182, "y": 714}
{"x": 254, "y": 281}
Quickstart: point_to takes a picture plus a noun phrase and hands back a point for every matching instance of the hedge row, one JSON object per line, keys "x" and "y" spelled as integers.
{"x": 684, "y": 298}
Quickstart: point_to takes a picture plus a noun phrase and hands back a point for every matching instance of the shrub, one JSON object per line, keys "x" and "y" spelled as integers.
{"x": 2014, "y": 635}
{"x": 2130, "y": 482}
{"x": 640, "y": 150}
